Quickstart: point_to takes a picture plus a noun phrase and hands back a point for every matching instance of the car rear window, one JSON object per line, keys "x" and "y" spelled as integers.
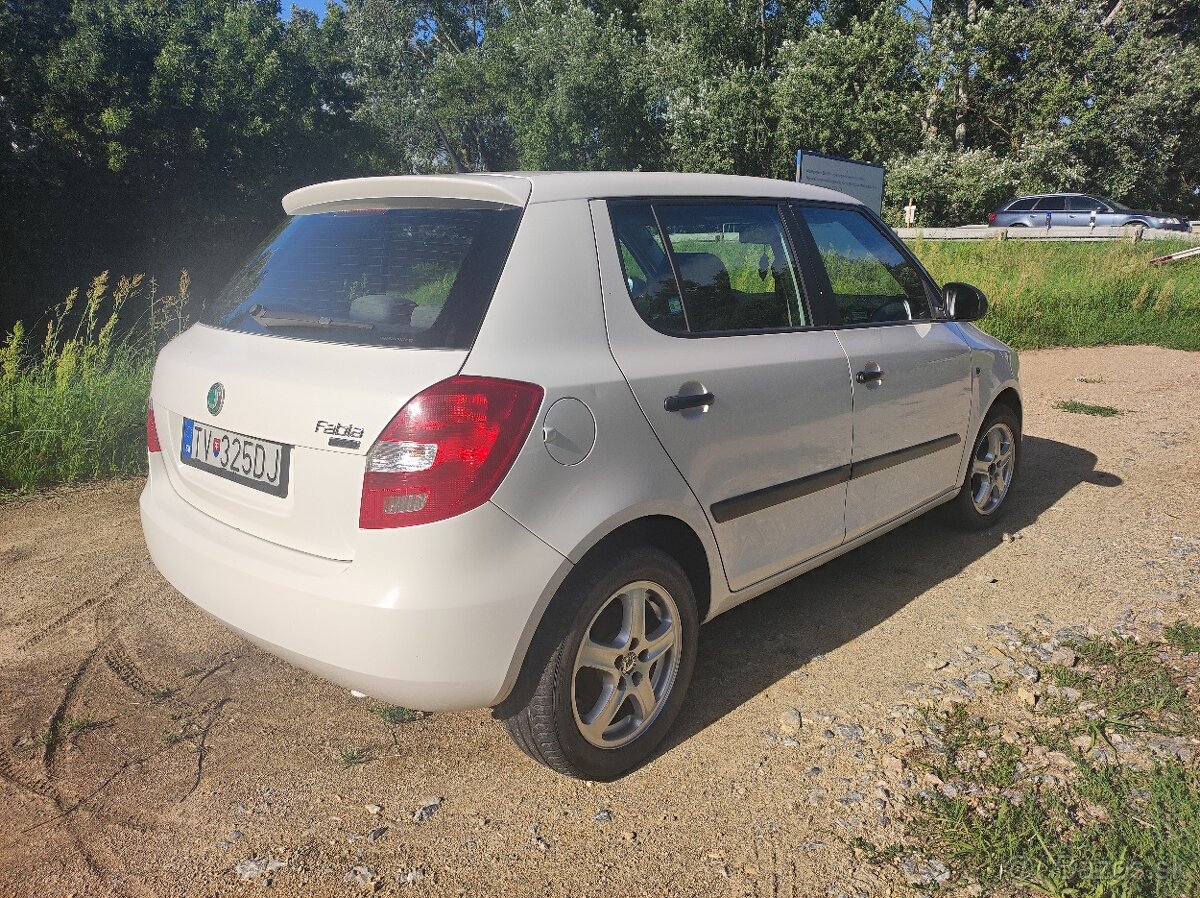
{"x": 1020, "y": 206}
{"x": 379, "y": 277}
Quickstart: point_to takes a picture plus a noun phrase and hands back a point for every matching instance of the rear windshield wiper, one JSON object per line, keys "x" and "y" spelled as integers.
{"x": 267, "y": 318}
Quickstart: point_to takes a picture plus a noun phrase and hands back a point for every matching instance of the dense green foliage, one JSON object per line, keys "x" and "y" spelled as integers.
{"x": 1044, "y": 294}
{"x": 159, "y": 134}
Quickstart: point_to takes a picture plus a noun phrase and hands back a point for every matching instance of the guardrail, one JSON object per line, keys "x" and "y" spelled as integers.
{"x": 982, "y": 232}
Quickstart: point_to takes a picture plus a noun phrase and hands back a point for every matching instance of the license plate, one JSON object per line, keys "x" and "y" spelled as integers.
{"x": 258, "y": 464}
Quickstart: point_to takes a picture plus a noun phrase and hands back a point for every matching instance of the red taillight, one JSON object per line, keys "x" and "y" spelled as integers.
{"x": 991, "y": 217}
{"x": 152, "y": 443}
{"x": 446, "y": 451}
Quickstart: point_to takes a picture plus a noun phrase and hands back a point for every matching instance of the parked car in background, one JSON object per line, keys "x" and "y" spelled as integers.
{"x": 507, "y": 440}
{"x": 1076, "y": 210}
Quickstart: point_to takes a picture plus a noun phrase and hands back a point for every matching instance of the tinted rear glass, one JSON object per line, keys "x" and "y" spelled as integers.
{"x": 1052, "y": 204}
{"x": 1021, "y": 206}
{"x": 380, "y": 277}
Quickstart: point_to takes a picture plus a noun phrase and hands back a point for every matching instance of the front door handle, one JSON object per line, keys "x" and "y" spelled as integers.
{"x": 679, "y": 403}
{"x": 868, "y": 376}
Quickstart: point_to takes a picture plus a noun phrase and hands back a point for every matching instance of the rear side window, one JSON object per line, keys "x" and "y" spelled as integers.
{"x": 1021, "y": 206}
{"x": 379, "y": 277}
{"x": 733, "y": 260}
{"x": 871, "y": 280}
{"x": 1052, "y": 204}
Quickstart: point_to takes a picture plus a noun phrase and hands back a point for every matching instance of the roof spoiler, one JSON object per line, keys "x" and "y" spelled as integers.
{"x": 508, "y": 190}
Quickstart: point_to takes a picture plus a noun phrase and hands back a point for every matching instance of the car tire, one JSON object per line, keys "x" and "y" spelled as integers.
{"x": 603, "y": 703}
{"x": 992, "y": 472}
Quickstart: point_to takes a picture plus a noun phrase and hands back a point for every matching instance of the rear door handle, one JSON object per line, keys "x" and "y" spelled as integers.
{"x": 868, "y": 376}
{"x": 679, "y": 403}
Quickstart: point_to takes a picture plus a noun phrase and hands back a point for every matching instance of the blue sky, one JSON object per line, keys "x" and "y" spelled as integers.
{"x": 317, "y": 6}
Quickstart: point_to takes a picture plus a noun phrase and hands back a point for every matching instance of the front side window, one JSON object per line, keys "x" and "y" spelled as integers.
{"x": 871, "y": 280}
{"x": 1084, "y": 204}
{"x": 733, "y": 260}
{"x": 383, "y": 277}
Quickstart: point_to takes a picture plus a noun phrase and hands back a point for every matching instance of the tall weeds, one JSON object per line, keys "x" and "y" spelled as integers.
{"x": 1044, "y": 294}
{"x": 73, "y": 405}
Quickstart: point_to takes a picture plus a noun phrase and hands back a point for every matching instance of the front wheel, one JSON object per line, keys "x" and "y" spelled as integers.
{"x": 611, "y": 690}
{"x": 991, "y": 472}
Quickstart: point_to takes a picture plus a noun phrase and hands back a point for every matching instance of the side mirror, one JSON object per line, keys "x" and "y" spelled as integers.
{"x": 964, "y": 302}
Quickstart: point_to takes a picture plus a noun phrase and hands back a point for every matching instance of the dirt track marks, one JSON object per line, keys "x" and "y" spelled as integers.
{"x": 96, "y": 600}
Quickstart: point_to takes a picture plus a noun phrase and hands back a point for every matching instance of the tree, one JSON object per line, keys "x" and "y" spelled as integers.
{"x": 713, "y": 66}
{"x": 156, "y": 134}
{"x": 574, "y": 88}
{"x": 416, "y": 65}
{"x": 854, "y": 91}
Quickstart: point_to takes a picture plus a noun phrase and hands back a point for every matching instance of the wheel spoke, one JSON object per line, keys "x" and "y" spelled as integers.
{"x": 600, "y": 718}
{"x": 994, "y": 444}
{"x": 658, "y": 644}
{"x": 982, "y": 501}
{"x": 597, "y": 655}
{"x": 979, "y": 466}
{"x": 643, "y": 696}
{"x": 999, "y": 488}
{"x": 633, "y": 604}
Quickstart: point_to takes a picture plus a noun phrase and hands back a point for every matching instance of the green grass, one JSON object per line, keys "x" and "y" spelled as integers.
{"x": 1184, "y": 636}
{"x": 1096, "y": 829}
{"x": 67, "y": 730}
{"x": 395, "y": 714}
{"x": 73, "y": 403}
{"x": 1054, "y": 293}
{"x": 353, "y": 756}
{"x": 1115, "y": 833}
{"x": 1086, "y": 408}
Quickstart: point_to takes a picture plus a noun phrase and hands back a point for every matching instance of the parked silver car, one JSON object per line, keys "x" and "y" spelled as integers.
{"x": 506, "y": 440}
{"x": 1079, "y": 210}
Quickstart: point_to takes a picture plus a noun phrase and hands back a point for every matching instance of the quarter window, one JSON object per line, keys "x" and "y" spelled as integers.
{"x": 734, "y": 264}
{"x": 871, "y": 280}
{"x": 1021, "y": 206}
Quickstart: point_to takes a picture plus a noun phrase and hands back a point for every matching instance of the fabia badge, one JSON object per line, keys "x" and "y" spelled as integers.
{"x": 216, "y": 398}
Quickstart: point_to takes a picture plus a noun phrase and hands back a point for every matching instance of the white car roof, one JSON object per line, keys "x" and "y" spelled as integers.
{"x": 521, "y": 188}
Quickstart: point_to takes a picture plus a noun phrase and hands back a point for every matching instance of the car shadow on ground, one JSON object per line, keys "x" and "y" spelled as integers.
{"x": 754, "y": 646}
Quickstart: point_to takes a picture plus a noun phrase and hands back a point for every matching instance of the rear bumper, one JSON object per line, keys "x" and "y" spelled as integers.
{"x": 435, "y": 617}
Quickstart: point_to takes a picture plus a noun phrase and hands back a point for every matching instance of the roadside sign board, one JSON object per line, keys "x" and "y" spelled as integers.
{"x": 862, "y": 180}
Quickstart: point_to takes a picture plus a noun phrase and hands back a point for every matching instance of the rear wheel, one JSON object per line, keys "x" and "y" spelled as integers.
{"x": 991, "y": 472}
{"x": 611, "y": 690}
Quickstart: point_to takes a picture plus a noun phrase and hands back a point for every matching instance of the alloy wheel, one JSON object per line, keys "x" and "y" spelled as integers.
{"x": 626, "y": 665}
{"x": 992, "y": 468}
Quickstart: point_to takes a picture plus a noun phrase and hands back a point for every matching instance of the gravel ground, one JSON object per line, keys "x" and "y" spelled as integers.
{"x": 145, "y": 750}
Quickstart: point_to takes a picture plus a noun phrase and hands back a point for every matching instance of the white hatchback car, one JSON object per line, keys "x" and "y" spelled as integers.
{"x": 506, "y": 440}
